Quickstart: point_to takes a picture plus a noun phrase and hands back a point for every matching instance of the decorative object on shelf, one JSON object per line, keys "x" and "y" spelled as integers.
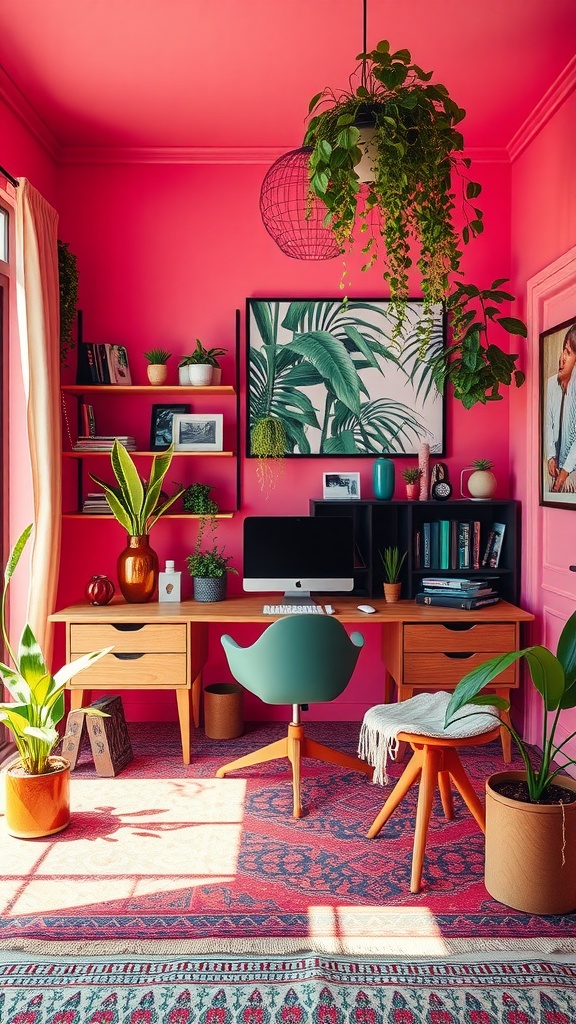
{"x": 440, "y": 487}
{"x": 341, "y": 485}
{"x": 99, "y": 590}
{"x": 198, "y": 432}
{"x": 169, "y": 581}
{"x": 157, "y": 370}
{"x": 196, "y": 500}
{"x": 326, "y": 371}
{"x": 37, "y": 782}
{"x": 209, "y": 568}
{"x": 424, "y": 467}
{"x": 383, "y": 479}
{"x": 531, "y": 815}
{"x": 135, "y": 504}
{"x": 392, "y": 562}
{"x": 557, "y": 382}
{"x": 161, "y": 425}
{"x": 482, "y": 483}
{"x": 291, "y": 216}
{"x": 68, "y": 283}
{"x": 202, "y": 364}
{"x": 411, "y": 477}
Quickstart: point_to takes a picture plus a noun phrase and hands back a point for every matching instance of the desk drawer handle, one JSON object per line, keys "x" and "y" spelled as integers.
{"x": 127, "y": 657}
{"x": 458, "y": 654}
{"x": 458, "y": 627}
{"x": 128, "y": 627}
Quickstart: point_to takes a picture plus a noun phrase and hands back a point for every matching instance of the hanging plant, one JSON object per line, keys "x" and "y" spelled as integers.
{"x": 68, "y": 281}
{"x": 268, "y": 443}
{"x": 415, "y": 147}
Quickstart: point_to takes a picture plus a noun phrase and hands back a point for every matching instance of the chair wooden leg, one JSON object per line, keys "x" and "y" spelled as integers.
{"x": 423, "y": 812}
{"x": 505, "y": 737}
{"x": 270, "y": 753}
{"x": 310, "y": 748}
{"x": 445, "y": 789}
{"x": 295, "y": 742}
{"x": 465, "y": 788}
{"x": 406, "y": 780}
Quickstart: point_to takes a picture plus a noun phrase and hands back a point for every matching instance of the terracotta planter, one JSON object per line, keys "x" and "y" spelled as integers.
{"x": 137, "y": 570}
{"x": 392, "y": 592}
{"x": 157, "y": 373}
{"x": 37, "y": 805}
{"x": 412, "y": 491}
{"x": 530, "y": 850}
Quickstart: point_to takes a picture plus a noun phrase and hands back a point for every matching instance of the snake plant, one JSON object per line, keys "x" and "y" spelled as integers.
{"x": 135, "y": 503}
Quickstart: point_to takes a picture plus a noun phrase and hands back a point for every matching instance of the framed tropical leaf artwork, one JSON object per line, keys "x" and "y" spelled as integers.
{"x": 332, "y": 378}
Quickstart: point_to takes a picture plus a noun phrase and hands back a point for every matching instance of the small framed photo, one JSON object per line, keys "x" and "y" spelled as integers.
{"x": 341, "y": 485}
{"x": 198, "y": 433}
{"x": 558, "y": 415}
{"x": 161, "y": 425}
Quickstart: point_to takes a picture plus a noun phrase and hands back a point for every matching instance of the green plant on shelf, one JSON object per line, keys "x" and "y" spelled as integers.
{"x": 196, "y": 499}
{"x": 203, "y": 355}
{"x": 210, "y": 562}
{"x": 482, "y": 464}
{"x": 157, "y": 356}
{"x": 392, "y": 562}
{"x": 412, "y": 474}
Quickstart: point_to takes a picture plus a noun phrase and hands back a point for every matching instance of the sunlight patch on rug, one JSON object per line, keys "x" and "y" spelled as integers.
{"x": 365, "y": 929}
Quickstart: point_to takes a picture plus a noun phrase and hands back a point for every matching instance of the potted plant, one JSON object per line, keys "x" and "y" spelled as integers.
{"x": 209, "y": 567}
{"x": 202, "y": 364}
{"x": 411, "y": 477}
{"x": 137, "y": 505}
{"x": 38, "y": 782}
{"x": 531, "y": 814}
{"x": 157, "y": 369}
{"x": 481, "y": 483}
{"x": 196, "y": 500}
{"x": 392, "y": 562}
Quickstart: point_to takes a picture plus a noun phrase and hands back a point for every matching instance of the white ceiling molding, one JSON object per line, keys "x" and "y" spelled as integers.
{"x": 543, "y": 111}
{"x": 18, "y": 104}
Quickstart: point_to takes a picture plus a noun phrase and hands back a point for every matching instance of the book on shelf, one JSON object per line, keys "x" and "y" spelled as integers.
{"x": 461, "y": 591}
{"x": 453, "y": 544}
{"x": 119, "y": 366}
{"x": 444, "y": 544}
{"x": 88, "y": 419}
{"x": 435, "y": 544}
{"x": 496, "y": 549}
{"x": 426, "y": 546}
{"x": 468, "y": 603}
{"x": 102, "y": 363}
{"x": 452, "y": 582}
{"x": 103, "y": 443}
{"x": 463, "y": 545}
{"x": 476, "y": 544}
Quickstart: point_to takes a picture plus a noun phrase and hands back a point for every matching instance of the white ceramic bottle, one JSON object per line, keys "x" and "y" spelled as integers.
{"x": 169, "y": 583}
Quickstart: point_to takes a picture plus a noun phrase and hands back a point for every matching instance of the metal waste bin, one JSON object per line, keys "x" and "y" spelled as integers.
{"x": 223, "y": 714}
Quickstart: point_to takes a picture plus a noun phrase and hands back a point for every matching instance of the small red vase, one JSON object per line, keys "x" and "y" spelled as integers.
{"x": 99, "y": 590}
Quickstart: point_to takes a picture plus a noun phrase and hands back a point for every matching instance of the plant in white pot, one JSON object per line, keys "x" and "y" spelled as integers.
{"x": 481, "y": 483}
{"x": 37, "y": 782}
{"x": 202, "y": 364}
{"x": 531, "y": 814}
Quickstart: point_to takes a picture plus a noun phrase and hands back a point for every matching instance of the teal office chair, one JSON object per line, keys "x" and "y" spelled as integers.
{"x": 298, "y": 660}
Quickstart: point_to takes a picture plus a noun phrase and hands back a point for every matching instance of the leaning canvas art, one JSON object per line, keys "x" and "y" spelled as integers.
{"x": 331, "y": 378}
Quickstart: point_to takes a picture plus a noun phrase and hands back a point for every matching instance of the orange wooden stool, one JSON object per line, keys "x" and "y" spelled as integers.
{"x": 436, "y": 760}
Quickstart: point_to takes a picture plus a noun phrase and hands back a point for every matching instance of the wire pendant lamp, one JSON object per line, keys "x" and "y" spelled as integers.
{"x": 291, "y": 217}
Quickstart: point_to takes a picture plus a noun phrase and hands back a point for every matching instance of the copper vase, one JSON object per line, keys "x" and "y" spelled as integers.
{"x": 137, "y": 569}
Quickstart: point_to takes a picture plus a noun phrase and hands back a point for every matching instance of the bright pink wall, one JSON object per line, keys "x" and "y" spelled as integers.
{"x": 166, "y": 254}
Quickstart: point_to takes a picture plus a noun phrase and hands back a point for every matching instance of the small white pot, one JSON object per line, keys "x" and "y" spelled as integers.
{"x": 481, "y": 484}
{"x": 184, "y": 374}
{"x": 200, "y": 374}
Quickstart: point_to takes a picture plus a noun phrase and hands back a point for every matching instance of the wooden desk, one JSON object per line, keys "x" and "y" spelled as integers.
{"x": 164, "y": 646}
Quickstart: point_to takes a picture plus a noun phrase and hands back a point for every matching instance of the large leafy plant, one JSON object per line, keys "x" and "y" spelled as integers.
{"x": 554, "y": 678}
{"x": 135, "y": 503}
{"x": 38, "y": 696}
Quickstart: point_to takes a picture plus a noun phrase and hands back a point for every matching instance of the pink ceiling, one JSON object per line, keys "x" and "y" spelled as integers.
{"x": 240, "y": 73}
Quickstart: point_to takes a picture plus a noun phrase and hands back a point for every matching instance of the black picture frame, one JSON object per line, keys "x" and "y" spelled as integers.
{"x": 339, "y": 381}
{"x": 557, "y": 431}
{"x": 161, "y": 425}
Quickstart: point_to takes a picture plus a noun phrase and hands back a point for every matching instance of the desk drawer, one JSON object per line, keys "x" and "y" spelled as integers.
{"x": 429, "y": 669}
{"x": 128, "y": 637}
{"x": 496, "y": 638}
{"x": 156, "y": 671}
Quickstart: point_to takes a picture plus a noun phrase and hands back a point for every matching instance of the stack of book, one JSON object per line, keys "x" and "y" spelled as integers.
{"x": 95, "y": 503}
{"x": 456, "y": 592}
{"x": 101, "y": 363}
{"x": 104, "y": 443}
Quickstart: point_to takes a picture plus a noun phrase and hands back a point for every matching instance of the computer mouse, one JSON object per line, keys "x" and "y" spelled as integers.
{"x": 366, "y": 608}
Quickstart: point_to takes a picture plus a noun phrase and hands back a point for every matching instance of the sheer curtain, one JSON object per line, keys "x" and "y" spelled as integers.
{"x": 38, "y": 305}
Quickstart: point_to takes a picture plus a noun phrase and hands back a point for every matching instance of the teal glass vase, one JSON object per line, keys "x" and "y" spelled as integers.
{"x": 383, "y": 479}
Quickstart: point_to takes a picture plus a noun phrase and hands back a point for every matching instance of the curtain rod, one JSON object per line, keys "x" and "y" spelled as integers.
{"x": 13, "y": 181}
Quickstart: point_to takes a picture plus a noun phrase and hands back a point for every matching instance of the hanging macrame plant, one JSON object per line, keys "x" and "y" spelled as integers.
{"x": 268, "y": 443}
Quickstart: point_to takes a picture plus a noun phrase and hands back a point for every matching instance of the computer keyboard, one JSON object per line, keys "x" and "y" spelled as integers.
{"x": 296, "y": 609}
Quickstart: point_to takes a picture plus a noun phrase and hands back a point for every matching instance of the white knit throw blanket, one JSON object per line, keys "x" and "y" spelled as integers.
{"x": 423, "y": 715}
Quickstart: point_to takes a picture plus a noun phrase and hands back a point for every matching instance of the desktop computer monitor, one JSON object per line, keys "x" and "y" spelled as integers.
{"x": 298, "y": 554}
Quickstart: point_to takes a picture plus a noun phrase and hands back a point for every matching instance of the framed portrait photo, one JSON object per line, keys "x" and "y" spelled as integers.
{"x": 198, "y": 433}
{"x": 557, "y": 454}
{"x": 341, "y": 485}
{"x": 344, "y": 380}
{"x": 161, "y": 425}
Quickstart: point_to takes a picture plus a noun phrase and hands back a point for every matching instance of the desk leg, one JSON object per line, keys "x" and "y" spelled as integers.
{"x": 183, "y": 701}
{"x": 198, "y": 658}
{"x": 196, "y": 691}
{"x": 79, "y": 699}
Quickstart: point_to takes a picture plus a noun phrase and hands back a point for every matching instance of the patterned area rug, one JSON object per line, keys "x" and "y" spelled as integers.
{"x": 302, "y": 990}
{"x": 166, "y": 853}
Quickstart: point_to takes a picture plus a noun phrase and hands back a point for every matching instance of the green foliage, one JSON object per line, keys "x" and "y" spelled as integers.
{"x": 418, "y": 146}
{"x": 412, "y": 474}
{"x": 475, "y": 368}
{"x": 482, "y": 463}
{"x": 196, "y": 500}
{"x": 38, "y": 697}
{"x": 210, "y": 563}
{"x": 68, "y": 282}
{"x": 157, "y": 356}
{"x": 554, "y": 678}
{"x": 203, "y": 355}
{"x": 134, "y": 503}
{"x": 392, "y": 562}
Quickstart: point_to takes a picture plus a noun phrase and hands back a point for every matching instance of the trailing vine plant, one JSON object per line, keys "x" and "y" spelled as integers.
{"x": 68, "y": 282}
